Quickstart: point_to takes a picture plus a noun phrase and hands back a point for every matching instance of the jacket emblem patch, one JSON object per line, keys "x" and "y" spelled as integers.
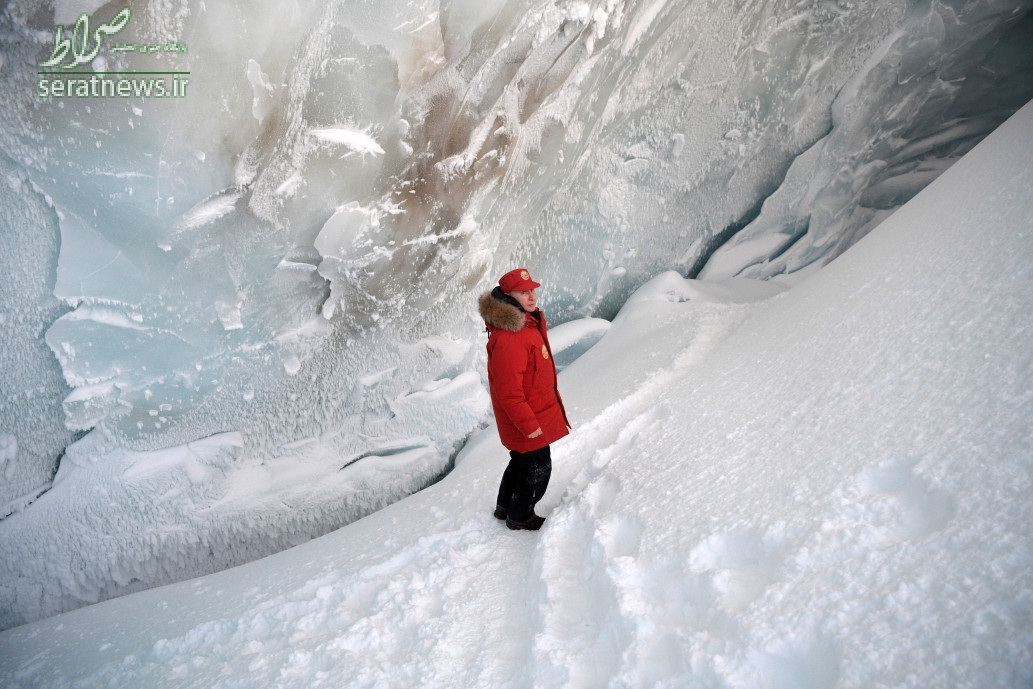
{"x": 545, "y": 352}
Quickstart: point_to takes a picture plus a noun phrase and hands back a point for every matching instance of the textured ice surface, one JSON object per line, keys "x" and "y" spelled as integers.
{"x": 927, "y": 115}
{"x": 32, "y": 422}
{"x": 292, "y": 252}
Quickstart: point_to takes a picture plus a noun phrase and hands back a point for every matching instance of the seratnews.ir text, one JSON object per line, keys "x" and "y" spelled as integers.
{"x": 134, "y": 85}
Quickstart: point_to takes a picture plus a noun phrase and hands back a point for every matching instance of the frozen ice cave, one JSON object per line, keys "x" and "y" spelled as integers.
{"x": 274, "y": 275}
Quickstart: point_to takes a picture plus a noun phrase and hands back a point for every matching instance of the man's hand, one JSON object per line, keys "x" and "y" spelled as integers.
{"x": 537, "y": 432}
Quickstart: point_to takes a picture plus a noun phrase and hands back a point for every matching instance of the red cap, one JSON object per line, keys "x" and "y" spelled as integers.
{"x": 517, "y": 281}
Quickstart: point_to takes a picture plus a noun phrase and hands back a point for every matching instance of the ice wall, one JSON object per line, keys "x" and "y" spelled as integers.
{"x": 292, "y": 251}
{"x": 931, "y": 90}
{"x": 32, "y": 429}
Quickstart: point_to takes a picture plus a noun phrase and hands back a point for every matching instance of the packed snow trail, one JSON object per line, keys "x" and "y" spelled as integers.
{"x": 830, "y": 488}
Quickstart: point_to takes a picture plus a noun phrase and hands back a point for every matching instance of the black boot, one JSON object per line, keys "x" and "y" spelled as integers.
{"x": 533, "y": 523}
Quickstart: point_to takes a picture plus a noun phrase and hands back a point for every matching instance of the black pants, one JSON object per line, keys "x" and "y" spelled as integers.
{"x": 524, "y": 482}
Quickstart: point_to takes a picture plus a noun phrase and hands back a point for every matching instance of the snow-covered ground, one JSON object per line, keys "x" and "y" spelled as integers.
{"x": 823, "y": 487}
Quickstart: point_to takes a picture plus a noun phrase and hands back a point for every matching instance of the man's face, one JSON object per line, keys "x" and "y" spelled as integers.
{"x": 527, "y": 299}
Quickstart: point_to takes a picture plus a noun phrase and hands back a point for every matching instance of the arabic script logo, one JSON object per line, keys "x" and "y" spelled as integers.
{"x": 79, "y": 43}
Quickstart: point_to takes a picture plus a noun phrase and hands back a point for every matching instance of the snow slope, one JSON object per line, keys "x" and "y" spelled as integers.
{"x": 827, "y": 488}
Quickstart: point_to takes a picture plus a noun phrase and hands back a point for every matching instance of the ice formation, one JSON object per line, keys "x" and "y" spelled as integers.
{"x": 290, "y": 252}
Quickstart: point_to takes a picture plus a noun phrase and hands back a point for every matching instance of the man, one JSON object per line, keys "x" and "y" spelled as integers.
{"x": 528, "y": 410}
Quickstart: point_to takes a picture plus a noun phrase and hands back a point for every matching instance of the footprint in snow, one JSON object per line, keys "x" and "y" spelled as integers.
{"x": 906, "y": 506}
{"x": 743, "y": 563}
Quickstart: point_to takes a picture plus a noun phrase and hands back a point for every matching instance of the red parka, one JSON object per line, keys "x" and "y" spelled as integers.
{"x": 521, "y": 376}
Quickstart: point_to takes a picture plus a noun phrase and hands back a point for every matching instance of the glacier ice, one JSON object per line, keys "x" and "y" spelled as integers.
{"x": 923, "y": 116}
{"x": 292, "y": 251}
{"x": 32, "y": 423}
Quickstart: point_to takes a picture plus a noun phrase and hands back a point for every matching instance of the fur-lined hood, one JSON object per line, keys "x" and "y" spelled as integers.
{"x": 502, "y": 311}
